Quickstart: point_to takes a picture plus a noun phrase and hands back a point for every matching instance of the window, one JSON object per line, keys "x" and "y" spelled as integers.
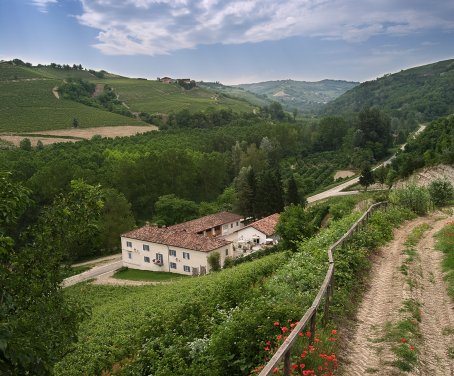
{"x": 146, "y": 259}
{"x": 187, "y": 268}
{"x": 159, "y": 258}
{"x": 231, "y": 225}
{"x": 186, "y": 255}
{"x": 225, "y": 227}
{"x": 172, "y": 252}
{"x": 256, "y": 240}
{"x": 237, "y": 224}
{"x": 173, "y": 265}
{"x": 129, "y": 244}
{"x": 146, "y": 247}
{"x": 227, "y": 252}
{"x": 130, "y": 255}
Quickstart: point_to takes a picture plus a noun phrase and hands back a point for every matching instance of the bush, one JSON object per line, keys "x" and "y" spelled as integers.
{"x": 412, "y": 197}
{"x": 214, "y": 260}
{"x": 441, "y": 191}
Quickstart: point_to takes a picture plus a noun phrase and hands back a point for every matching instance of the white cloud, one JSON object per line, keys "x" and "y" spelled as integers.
{"x": 42, "y": 4}
{"x": 151, "y": 27}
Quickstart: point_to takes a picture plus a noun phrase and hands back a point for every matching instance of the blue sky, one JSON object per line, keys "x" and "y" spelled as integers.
{"x": 232, "y": 41}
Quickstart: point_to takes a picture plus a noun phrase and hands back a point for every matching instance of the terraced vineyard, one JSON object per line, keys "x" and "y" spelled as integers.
{"x": 31, "y": 106}
{"x": 153, "y": 96}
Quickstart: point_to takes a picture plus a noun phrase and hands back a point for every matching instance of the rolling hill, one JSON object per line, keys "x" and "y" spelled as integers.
{"x": 302, "y": 95}
{"x": 422, "y": 93}
{"x": 29, "y": 101}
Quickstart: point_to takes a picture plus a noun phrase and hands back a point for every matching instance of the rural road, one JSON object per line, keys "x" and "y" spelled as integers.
{"x": 337, "y": 191}
{"x": 92, "y": 273}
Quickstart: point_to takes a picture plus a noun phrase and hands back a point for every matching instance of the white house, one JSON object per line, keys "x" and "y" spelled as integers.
{"x": 256, "y": 234}
{"x": 182, "y": 248}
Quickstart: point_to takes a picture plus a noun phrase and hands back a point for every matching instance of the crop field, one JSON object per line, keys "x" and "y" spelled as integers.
{"x": 157, "y": 97}
{"x": 11, "y": 72}
{"x": 31, "y": 106}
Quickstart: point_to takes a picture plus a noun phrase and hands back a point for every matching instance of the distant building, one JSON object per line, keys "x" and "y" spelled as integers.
{"x": 167, "y": 80}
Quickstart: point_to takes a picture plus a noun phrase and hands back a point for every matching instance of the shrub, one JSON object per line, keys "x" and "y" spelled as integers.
{"x": 412, "y": 197}
{"x": 214, "y": 260}
{"x": 441, "y": 191}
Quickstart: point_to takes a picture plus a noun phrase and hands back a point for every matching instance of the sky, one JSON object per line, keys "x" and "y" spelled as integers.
{"x": 231, "y": 41}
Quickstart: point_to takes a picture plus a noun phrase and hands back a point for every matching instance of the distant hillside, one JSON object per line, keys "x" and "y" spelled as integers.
{"x": 302, "y": 95}
{"x": 422, "y": 93}
{"x": 29, "y": 99}
{"x": 237, "y": 93}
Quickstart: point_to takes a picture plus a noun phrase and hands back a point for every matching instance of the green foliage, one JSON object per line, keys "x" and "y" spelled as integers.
{"x": 214, "y": 261}
{"x": 434, "y": 145}
{"x": 164, "y": 337}
{"x": 146, "y": 275}
{"x": 31, "y": 106}
{"x": 170, "y": 209}
{"x": 366, "y": 178}
{"x": 37, "y": 323}
{"x": 444, "y": 243}
{"x": 441, "y": 191}
{"x": 417, "y": 94}
{"x": 25, "y": 144}
{"x": 412, "y": 197}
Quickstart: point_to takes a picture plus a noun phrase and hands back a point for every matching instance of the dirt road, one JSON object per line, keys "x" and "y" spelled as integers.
{"x": 367, "y": 351}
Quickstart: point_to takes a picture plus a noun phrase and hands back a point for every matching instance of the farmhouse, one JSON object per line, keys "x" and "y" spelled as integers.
{"x": 256, "y": 234}
{"x": 167, "y": 80}
{"x": 182, "y": 248}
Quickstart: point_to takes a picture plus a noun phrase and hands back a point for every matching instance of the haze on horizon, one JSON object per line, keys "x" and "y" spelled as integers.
{"x": 232, "y": 41}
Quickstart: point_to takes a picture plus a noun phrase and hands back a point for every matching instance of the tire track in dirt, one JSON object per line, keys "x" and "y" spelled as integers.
{"x": 437, "y": 311}
{"x": 365, "y": 353}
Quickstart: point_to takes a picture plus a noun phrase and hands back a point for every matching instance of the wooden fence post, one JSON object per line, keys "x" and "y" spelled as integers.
{"x": 287, "y": 363}
{"x": 312, "y": 327}
{"x": 327, "y": 301}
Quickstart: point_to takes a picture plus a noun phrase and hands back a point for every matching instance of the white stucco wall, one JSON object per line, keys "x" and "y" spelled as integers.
{"x": 231, "y": 227}
{"x": 197, "y": 259}
{"x": 249, "y": 233}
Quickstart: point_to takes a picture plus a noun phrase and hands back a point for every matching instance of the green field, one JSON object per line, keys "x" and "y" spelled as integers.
{"x": 31, "y": 106}
{"x": 157, "y": 97}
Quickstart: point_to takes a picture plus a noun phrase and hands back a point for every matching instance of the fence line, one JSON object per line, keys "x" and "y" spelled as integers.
{"x": 326, "y": 291}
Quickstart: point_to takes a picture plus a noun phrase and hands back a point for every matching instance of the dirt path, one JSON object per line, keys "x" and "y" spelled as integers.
{"x": 389, "y": 288}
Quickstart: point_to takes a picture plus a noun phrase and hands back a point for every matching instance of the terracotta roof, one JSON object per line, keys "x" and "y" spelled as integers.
{"x": 266, "y": 225}
{"x": 207, "y": 222}
{"x": 176, "y": 238}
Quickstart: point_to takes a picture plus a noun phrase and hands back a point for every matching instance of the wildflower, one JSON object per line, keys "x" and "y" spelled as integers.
{"x": 300, "y": 334}
{"x": 284, "y": 329}
{"x": 292, "y": 325}
{"x": 276, "y": 323}
{"x": 295, "y": 366}
{"x": 331, "y": 339}
{"x": 279, "y": 337}
{"x": 308, "y": 334}
{"x": 334, "y": 332}
{"x": 412, "y": 348}
{"x": 275, "y": 370}
{"x": 317, "y": 340}
{"x": 403, "y": 340}
{"x": 267, "y": 348}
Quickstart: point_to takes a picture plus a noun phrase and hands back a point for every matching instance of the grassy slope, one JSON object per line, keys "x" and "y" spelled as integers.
{"x": 153, "y": 96}
{"x": 236, "y": 92}
{"x": 31, "y": 106}
{"x": 427, "y": 91}
{"x": 305, "y": 96}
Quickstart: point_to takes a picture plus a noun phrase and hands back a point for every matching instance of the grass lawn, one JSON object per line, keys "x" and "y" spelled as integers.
{"x": 145, "y": 275}
{"x": 76, "y": 270}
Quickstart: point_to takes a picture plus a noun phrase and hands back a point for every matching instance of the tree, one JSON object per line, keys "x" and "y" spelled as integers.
{"x": 367, "y": 177}
{"x": 269, "y": 197}
{"x": 37, "y": 322}
{"x": 214, "y": 261}
{"x": 39, "y": 145}
{"x": 25, "y": 144}
{"x": 292, "y": 196}
{"x": 75, "y": 123}
{"x": 170, "y": 209}
{"x": 391, "y": 178}
{"x": 246, "y": 188}
{"x": 115, "y": 219}
{"x": 380, "y": 174}
{"x": 441, "y": 191}
{"x": 294, "y": 223}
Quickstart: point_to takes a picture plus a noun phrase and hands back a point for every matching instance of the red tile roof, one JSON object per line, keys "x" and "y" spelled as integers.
{"x": 207, "y": 222}
{"x": 176, "y": 238}
{"x": 266, "y": 225}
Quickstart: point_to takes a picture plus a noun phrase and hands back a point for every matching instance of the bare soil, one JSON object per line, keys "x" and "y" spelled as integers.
{"x": 365, "y": 353}
{"x": 341, "y": 174}
{"x": 113, "y": 131}
{"x": 85, "y": 133}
